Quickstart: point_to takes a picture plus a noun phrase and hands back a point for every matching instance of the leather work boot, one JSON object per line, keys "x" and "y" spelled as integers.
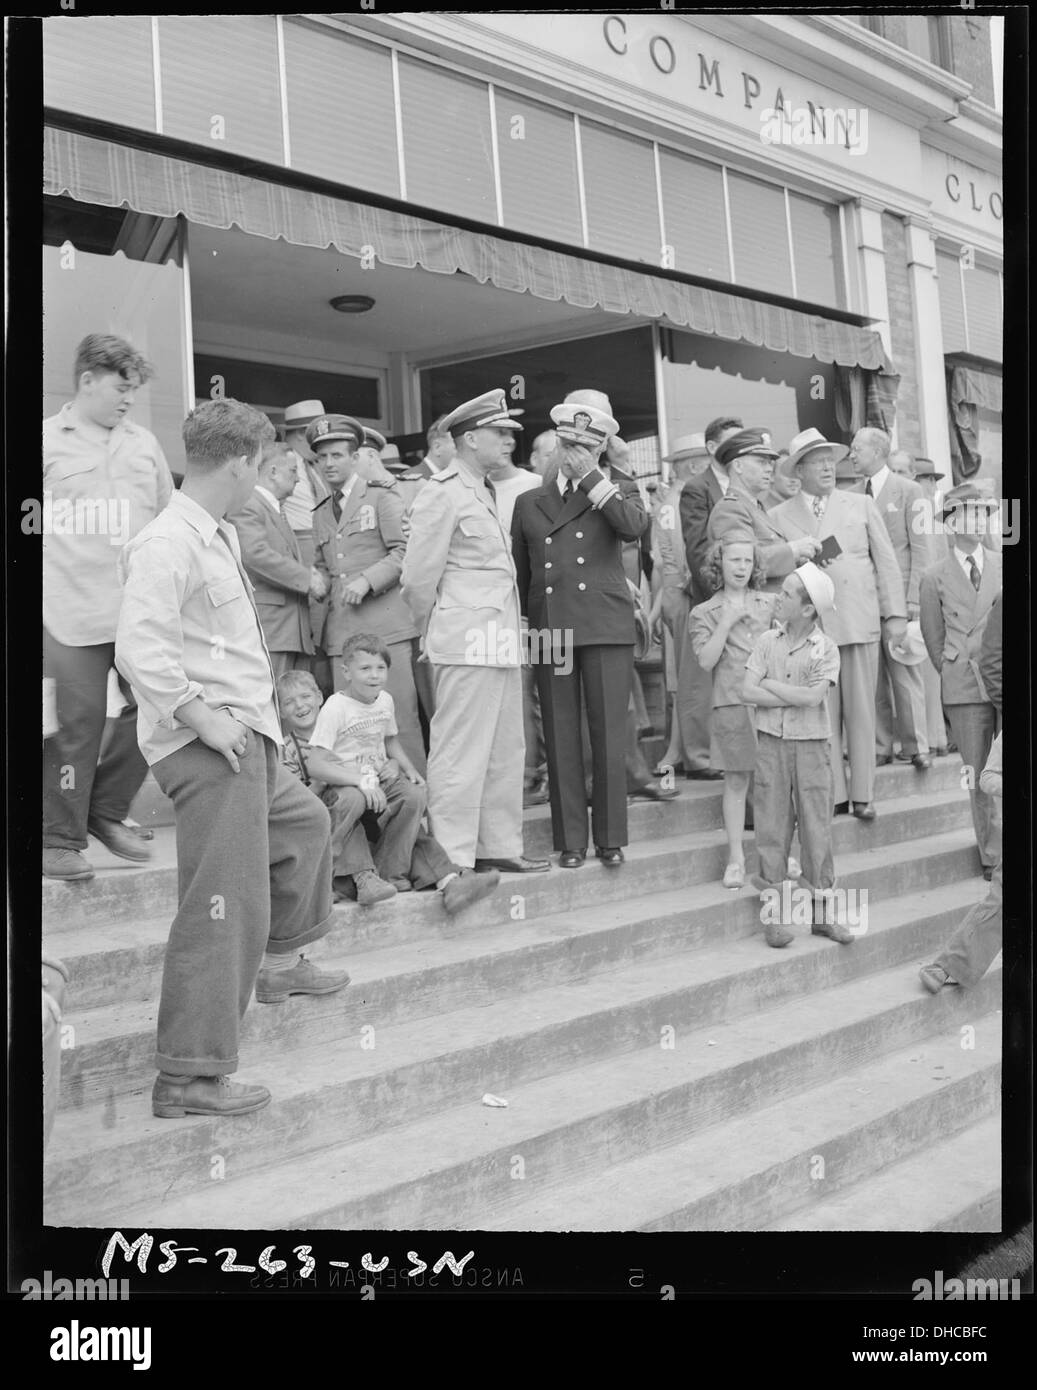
{"x": 273, "y": 986}
{"x": 205, "y": 1095}
{"x": 120, "y": 839}
{"x": 67, "y": 864}
{"x": 467, "y": 888}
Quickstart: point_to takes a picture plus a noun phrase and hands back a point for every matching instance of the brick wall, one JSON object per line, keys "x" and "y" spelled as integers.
{"x": 902, "y": 331}
{"x": 970, "y": 54}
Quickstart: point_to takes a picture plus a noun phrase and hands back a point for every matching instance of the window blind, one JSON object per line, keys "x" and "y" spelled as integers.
{"x": 952, "y": 309}
{"x": 622, "y": 204}
{"x": 100, "y": 67}
{"x": 537, "y": 151}
{"x": 759, "y": 234}
{"x": 693, "y": 213}
{"x": 816, "y": 250}
{"x": 447, "y": 141}
{"x": 983, "y": 308}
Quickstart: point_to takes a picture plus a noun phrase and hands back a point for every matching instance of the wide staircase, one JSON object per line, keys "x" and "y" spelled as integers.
{"x": 664, "y": 1069}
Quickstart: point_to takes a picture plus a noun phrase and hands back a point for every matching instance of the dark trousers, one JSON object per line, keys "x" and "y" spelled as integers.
{"x": 601, "y": 678}
{"x": 254, "y": 873}
{"x": 76, "y": 786}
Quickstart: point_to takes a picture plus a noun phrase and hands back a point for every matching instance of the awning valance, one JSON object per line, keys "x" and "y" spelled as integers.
{"x": 103, "y": 172}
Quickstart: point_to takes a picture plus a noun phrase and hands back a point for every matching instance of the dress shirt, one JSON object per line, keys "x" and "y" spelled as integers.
{"x": 189, "y": 627}
{"x": 964, "y": 556}
{"x": 100, "y": 488}
{"x": 299, "y": 504}
{"x": 722, "y": 478}
{"x": 804, "y": 662}
{"x": 878, "y": 480}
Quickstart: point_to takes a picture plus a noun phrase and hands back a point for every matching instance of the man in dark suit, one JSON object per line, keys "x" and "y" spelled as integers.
{"x": 567, "y": 540}
{"x": 283, "y": 583}
{"x": 695, "y": 686}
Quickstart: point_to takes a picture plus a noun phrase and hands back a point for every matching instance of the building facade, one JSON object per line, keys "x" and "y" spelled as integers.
{"x": 794, "y": 219}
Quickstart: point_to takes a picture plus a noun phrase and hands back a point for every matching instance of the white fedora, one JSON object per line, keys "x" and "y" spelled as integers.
{"x": 804, "y": 443}
{"x": 685, "y": 446}
{"x": 301, "y": 414}
{"x": 912, "y": 650}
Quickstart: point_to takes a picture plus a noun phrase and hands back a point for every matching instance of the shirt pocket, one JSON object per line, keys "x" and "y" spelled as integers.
{"x": 229, "y": 608}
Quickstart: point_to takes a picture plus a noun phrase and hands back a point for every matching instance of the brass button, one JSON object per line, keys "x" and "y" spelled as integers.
{"x": 579, "y": 559}
{"x": 549, "y": 590}
{"x": 579, "y": 535}
{"x": 547, "y": 564}
{"x": 547, "y": 540}
{"x": 582, "y": 586}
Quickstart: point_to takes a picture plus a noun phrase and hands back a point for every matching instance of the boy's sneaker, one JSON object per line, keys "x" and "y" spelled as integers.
{"x": 795, "y": 868}
{"x": 371, "y": 889}
{"x": 776, "y": 935}
{"x": 66, "y": 864}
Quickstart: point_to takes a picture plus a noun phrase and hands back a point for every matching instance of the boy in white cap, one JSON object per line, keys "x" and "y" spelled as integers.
{"x": 788, "y": 676}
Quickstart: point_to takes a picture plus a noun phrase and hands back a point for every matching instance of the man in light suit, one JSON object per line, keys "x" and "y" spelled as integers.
{"x": 360, "y": 544}
{"x": 694, "y": 686}
{"x": 310, "y": 489}
{"x": 270, "y": 552}
{"x": 749, "y": 458}
{"x": 459, "y": 583}
{"x": 901, "y": 505}
{"x": 956, "y": 597}
{"x": 869, "y": 603}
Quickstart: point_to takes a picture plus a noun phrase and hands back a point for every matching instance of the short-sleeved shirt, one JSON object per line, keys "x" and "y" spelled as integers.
{"x": 356, "y": 732}
{"x": 806, "y": 661}
{"x": 729, "y": 672}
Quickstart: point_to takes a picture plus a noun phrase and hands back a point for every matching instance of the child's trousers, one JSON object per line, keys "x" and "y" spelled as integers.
{"x": 967, "y": 956}
{"x": 254, "y": 872}
{"x": 794, "y": 771}
{"x": 399, "y": 826}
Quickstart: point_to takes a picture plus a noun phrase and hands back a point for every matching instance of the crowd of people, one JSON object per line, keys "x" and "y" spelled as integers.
{"x": 350, "y": 676}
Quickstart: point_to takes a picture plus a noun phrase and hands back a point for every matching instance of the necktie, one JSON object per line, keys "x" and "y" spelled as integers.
{"x": 819, "y": 507}
{"x": 974, "y": 573}
{"x": 336, "y": 504}
{"x": 868, "y": 490}
{"x": 570, "y": 488}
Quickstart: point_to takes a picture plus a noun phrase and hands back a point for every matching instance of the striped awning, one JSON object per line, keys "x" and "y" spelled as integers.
{"x": 102, "y": 172}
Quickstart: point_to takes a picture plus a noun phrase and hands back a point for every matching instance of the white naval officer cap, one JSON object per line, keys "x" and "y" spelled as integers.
{"x": 489, "y": 411}
{"x": 578, "y": 423}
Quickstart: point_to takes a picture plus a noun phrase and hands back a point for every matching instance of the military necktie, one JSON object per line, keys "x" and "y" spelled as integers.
{"x": 336, "y": 504}
{"x": 570, "y": 488}
{"x": 974, "y": 573}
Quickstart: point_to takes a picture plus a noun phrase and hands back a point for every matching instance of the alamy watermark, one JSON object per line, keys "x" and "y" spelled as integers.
{"x": 79, "y": 516}
{"x": 497, "y": 645}
{"x": 846, "y": 127}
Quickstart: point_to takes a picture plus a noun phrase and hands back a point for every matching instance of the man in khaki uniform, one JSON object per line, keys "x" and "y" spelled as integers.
{"x": 360, "y": 545}
{"x": 459, "y": 582}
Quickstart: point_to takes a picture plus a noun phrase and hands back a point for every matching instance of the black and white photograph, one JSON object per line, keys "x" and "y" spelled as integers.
{"x": 523, "y": 529}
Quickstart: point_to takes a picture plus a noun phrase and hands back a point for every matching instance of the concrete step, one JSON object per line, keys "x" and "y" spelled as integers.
{"x": 745, "y": 1174}
{"x": 363, "y": 1078}
{"x": 457, "y": 1166}
{"x": 121, "y": 890}
{"x": 113, "y": 1043}
{"x": 955, "y": 1180}
{"x": 121, "y": 958}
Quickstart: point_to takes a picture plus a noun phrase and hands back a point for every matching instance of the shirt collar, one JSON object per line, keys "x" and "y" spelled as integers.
{"x": 202, "y": 521}
{"x": 70, "y": 419}
{"x": 964, "y": 557}
{"x": 812, "y": 633}
{"x": 723, "y": 479}
{"x": 269, "y": 498}
{"x": 878, "y": 480}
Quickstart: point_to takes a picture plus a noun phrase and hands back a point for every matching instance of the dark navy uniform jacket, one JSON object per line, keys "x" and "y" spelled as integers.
{"x": 569, "y": 557}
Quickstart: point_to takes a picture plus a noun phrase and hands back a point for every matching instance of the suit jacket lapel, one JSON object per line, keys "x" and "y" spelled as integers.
{"x": 549, "y": 500}
{"x": 286, "y": 531}
{"x": 959, "y": 580}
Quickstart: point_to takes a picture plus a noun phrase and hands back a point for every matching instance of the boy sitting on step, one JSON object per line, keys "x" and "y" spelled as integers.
{"x": 349, "y": 753}
{"x": 787, "y": 677}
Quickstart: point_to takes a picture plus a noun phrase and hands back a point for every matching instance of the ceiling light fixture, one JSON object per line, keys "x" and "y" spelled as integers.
{"x": 352, "y": 303}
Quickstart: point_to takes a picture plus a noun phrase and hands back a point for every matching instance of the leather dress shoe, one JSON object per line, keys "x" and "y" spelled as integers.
{"x": 538, "y": 795}
{"x": 988, "y": 872}
{"x": 651, "y": 792}
{"x": 705, "y": 774}
{"x": 934, "y": 977}
{"x": 120, "y": 840}
{"x": 940, "y": 752}
{"x": 520, "y": 865}
{"x": 571, "y": 858}
{"x": 205, "y": 1095}
{"x": 884, "y": 759}
{"x": 921, "y": 761}
{"x": 140, "y": 830}
{"x": 272, "y": 986}
{"x": 841, "y": 808}
{"x": 67, "y": 864}
{"x": 864, "y": 810}
{"x": 467, "y": 888}
{"x": 610, "y": 857}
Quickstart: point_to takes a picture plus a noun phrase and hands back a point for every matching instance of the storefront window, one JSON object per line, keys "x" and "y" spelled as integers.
{"x": 108, "y": 290}
{"x": 706, "y": 377}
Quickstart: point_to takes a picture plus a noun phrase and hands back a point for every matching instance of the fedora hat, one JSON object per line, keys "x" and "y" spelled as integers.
{"x": 301, "y": 414}
{"x": 805, "y": 443}
{"x": 912, "y": 650}
{"x": 686, "y": 446}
